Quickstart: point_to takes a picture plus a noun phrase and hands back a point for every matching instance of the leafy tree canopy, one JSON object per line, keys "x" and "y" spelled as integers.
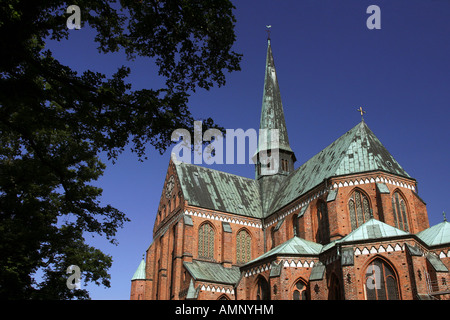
{"x": 54, "y": 123}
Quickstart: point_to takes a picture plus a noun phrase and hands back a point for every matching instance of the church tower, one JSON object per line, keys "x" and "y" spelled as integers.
{"x": 274, "y": 156}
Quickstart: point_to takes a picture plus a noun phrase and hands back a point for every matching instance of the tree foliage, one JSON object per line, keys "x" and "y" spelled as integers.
{"x": 54, "y": 124}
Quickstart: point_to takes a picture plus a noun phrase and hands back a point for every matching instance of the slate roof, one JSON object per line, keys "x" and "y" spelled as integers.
{"x": 140, "y": 271}
{"x": 293, "y": 246}
{"x": 212, "y": 272}
{"x": 358, "y": 150}
{"x": 436, "y": 235}
{"x": 217, "y": 190}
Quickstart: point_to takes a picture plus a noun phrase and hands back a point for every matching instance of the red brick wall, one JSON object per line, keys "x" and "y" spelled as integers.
{"x": 176, "y": 242}
{"x": 138, "y": 290}
{"x": 338, "y": 212}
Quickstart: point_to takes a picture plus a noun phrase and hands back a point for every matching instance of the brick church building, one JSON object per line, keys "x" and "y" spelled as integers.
{"x": 347, "y": 224}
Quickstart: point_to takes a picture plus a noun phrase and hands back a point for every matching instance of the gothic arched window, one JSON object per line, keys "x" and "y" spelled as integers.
{"x": 323, "y": 229}
{"x": 243, "y": 247}
{"x": 359, "y": 209}
{"x": 206, "y": 241}
{"x": 295, "y": 225}
{"x": 272, "y": 237}
{"x": 299, "y": 291}
{"x": 380, "y": 281}
{"x": 399, "y": 211}
{"x": 262, "y": 289}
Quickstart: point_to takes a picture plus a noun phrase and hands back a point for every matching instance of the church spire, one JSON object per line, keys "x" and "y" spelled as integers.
{"x": 272, "y": 116}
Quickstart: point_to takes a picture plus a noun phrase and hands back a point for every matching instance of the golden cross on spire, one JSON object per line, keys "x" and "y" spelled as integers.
{"x": 362, "y": 112}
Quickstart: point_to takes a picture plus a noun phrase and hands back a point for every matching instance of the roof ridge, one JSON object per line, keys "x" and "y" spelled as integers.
{"x": 321, "y": 151}
{"x": 310, "y": 160}
{"x": 211, "y": 169}
{"x": 356, "y": 151}
{"x": 348, "y": 143}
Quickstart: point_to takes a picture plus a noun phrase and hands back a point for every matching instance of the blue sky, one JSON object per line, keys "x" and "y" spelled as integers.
{"x": 328, "y": 64}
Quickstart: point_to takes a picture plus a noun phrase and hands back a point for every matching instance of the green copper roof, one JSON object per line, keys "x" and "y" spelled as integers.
{"x": 358, "y": 150}
{"x": 383, "y": 188}
{"x": 373, "y": 229}
{"x": 140, "y": 272}
{"x": 268, "y": 189}
{"x": 437, "y": 264}
{"x": 217, "y": 190}
{"x": 212, "y": 272}
{"x": 436, "y": 235}
{"x": 272, "y": 115}
{"x": 317, "y": 272}
{"x": 192, "y": 292}
{"x": 294, "y": 246}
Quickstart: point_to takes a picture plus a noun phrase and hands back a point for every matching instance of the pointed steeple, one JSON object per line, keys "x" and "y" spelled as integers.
{"x": 140, "y": 271}
{"x": 272, "y": 117}
{"x": 272, "y": 114}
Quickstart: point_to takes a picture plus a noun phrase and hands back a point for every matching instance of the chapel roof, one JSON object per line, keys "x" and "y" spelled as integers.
{"x": 212, "y": 272}
{"x": 357, "y": 151}
{"x": 436, "y": 235}
{"x": 293, "y": 246}
{"x": 373, "y": 229}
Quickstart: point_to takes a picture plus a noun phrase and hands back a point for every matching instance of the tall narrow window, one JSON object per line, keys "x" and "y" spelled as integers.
{"x": 299, "y": 291}
{"x": 262, "y": 289}
{"x": 284, "y": 165}
{"x": 174, "y": 254}
{"x": 399, "y": 211}
{"x": 206, "y": 241}
{"x": 380, "y": 281}
{"x": 243, "y": 247}
{"x": 295, "y": 225}
{"x": 272, "y": 237}
{"x": 323, "y": 229}
{"x": 359, "y": 209}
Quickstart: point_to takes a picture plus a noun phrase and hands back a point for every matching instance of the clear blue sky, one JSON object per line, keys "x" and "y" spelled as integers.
{"x": 328, "y": 64}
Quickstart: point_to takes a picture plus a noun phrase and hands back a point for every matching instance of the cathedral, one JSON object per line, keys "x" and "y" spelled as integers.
{"x": 347, "y": 224}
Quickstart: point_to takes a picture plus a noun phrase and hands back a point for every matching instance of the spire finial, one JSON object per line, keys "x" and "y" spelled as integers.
{"x": 268, "y": 31}
{"x": 443, "y": 213}
{"x": 362, "y": 113}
